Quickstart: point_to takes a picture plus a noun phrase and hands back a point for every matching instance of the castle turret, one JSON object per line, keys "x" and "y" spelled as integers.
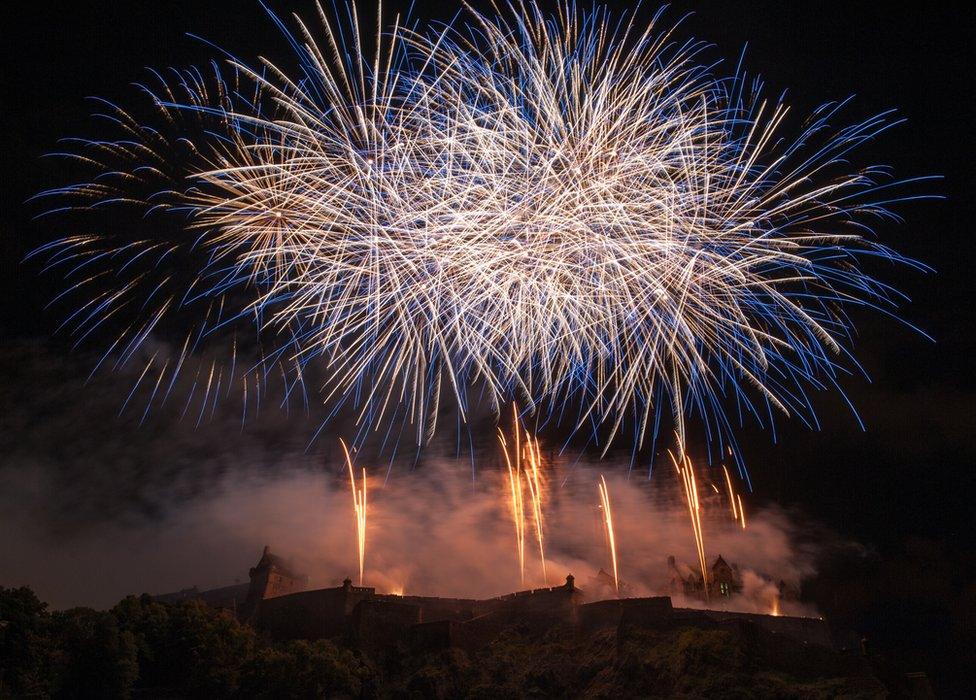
{"x": 271, "y": 577}
{"x": 725, "y": 578}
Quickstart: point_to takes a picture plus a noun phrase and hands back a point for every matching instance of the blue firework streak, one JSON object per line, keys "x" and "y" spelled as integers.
{"x": 573, "y": 211}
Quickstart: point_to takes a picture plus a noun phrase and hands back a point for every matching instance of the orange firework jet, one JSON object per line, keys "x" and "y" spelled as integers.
{"x": 359, "y": 507}
{"x": 533, "y": 455}
{"x": 728, "y": 482}
{"x": 608, "y": 521}
{"x": 517, "y": 507}
{"x": 735, "y": 501}
{"x": 690, "y": 484}
{"x": 524, "y": 474}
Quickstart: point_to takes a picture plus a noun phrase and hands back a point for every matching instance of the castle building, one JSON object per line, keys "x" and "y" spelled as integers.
{"x": 278, "y": 603}
{"x": 603, "y": 586}
{"x": 723, "y": 580}
{"x": 271, "y": 577}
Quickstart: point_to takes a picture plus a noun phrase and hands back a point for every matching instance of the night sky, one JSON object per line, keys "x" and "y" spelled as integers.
{"x": 905, "y": 485}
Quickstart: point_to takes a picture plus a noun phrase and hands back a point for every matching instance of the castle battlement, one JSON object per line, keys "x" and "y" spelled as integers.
{"x": 570, "y": 585}
{"x": 376, "y": 620}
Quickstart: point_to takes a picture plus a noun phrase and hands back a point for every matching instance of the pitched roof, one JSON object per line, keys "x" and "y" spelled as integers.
{"x": 720, "y": 562}
{"x": 269, "y": 560}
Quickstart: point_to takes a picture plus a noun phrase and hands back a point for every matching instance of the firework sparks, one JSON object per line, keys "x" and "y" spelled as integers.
{"x": 533, "y": 456}
{"x": 608, "y": 522}
{"x": 690, "y": 484}
{"x": 359, "y": 509}
{"x": 525, "y": 475}
{"x": 571, "y": 209}
{"x": 515, "y": 502}
{"x": 728, "y": 483}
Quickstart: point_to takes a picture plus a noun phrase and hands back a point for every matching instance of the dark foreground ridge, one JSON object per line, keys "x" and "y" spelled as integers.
{"x": 271, "y": 638}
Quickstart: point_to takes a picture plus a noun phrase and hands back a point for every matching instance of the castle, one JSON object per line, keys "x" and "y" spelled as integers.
{"x": 271, "y": 577}
{"x": 723, "y": 579}
{"x": 724, "y": 582}
{"x": 277, "y": 602}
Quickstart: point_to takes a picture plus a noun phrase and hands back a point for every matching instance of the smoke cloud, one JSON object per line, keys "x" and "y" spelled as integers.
{"x": 95, "y": 506}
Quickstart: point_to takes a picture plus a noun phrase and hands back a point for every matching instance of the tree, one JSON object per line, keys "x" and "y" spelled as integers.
{"x": 96, "y": 658}
{"x": 25, "y": 645}
{"x": 188, "y": 648}
{"x": 302, "y": 669}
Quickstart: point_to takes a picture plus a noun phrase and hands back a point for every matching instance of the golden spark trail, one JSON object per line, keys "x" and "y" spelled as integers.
{"x": 525, "y": 474}
{"x": 742, "y": 513}
{"x": 516, "y": 504}
{"x": 359, "y": 507}
{"x": 534, "y": 458}
{"x": 608, "y": 521}
{"x": 690, "y": 484}
{"x": 728, "y": 482}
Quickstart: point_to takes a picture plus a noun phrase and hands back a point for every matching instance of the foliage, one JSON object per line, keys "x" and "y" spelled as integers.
{"x": 302, "y": 669}
{"x": 147, "y": 648}
{"x": 25, "y": 653}
{"x": 72, "y": 653}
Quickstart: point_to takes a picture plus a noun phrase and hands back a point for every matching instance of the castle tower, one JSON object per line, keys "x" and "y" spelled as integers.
{"x": 271, "y": 577}
{"x": 725, "y": 578}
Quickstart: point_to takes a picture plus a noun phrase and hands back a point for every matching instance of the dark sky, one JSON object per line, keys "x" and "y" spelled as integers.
{"x": 910, "y": 474}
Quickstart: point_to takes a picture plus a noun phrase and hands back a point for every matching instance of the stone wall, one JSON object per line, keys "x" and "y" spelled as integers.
{"x": 436, "y": 609}
{"x": 379, "y": 620}
{"x": 381, "y": 623}
{"x": 310, "y": 614}
{"x": 627, "y": 612}
{"x": 809, "y": 630}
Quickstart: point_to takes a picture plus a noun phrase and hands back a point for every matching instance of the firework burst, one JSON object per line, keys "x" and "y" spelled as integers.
{"x": 568, "y": 210}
